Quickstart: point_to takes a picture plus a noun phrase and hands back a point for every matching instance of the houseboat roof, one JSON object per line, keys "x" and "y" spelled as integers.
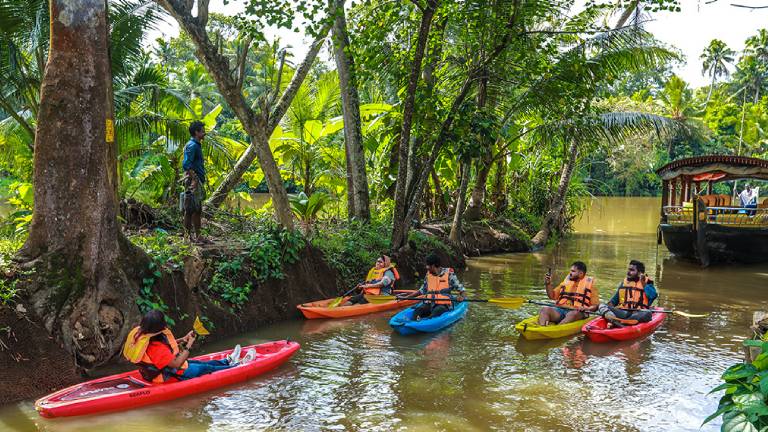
{"x": 724, "y": 166}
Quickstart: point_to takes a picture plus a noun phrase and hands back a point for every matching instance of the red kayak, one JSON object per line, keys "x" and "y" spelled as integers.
{"x": 598, "y": 331}
{"x": 128, "y": 390}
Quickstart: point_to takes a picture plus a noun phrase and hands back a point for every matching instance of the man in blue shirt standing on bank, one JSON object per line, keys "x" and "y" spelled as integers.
{"x": 194, "y": 182}
{"x": 633, "y": 298}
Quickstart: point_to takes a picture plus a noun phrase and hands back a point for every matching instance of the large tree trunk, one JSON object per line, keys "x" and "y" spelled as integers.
{"x": 441, "y": 207}
{"x": 411, "y": 206}
{"x": 351, "y": 211}
{"x": 499, "y": 194}
{"x": 400, "y": 226}
{"x": 455, "y": 235}
{"x": 475, "y": 208}
{"x": 84, "y": 284}
{"x": 556, "y": 206}
{"x": 350, "y": 103}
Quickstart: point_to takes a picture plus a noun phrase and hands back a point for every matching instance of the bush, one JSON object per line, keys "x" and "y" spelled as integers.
{"x": 8, "y": 287}
{"x": 351, "y": 248}
{"x": 428, "y": 243}
{"x": 166, "y": 250}
{"x": 743, "y": 406}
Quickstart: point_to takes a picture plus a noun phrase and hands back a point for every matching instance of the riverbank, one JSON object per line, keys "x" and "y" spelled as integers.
{"x": 251, "y": 275}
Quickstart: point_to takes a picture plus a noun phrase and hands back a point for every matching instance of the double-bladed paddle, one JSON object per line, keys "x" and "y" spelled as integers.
{"x": 337, "y": 301}
{"x": 628, "y": 322}
{"x": 505, "y": 302}
{"x": 666, "y": 311}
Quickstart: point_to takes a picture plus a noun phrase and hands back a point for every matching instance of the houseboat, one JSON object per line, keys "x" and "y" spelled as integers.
{"x": 712, "y": 228}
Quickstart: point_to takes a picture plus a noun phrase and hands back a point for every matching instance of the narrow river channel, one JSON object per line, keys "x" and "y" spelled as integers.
{"x": 355, "y": 374}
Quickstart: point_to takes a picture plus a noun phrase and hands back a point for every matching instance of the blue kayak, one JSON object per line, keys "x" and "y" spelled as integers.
{"x": 404, "y": 323}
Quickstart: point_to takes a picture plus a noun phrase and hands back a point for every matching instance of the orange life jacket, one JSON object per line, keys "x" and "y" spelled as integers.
{"x": 576, "y": 294}
{"x": 435, "y": 284}
{"x": 375, "y": 275}
{"x": 135, "y": 350}
{"x": 632, "y": 295}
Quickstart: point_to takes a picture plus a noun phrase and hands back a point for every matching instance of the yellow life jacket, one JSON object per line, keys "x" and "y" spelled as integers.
{"x": 632, "y": 295}
{"x": 375, "y": 275}
{"x": 576, "y": 294}
{"x": 135, "y": 350}
{"x": 435, "y": 284}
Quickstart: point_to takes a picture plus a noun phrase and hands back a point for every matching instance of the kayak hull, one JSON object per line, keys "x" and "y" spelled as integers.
{"x": 128, "y": 390}
{"x": 598, "y": 331}
{"x": 320, "y": 309}
{"x": 404, "y": 323}
{"x": 530, "y": 329}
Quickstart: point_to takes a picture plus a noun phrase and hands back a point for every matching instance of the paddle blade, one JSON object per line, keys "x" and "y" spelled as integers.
{"x": 689, "y": 315}
{"x": 508, "y": 303}
{"x": 379, "y": 299}
{"x": 335, "y": 302}
{"x": 199, "y": 328}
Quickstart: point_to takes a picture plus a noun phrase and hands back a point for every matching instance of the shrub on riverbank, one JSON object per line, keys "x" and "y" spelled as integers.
{"x": 744, "y": 405}
{"x": 352, "y": 247}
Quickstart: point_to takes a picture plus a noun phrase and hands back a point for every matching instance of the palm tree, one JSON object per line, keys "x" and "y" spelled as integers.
{"x": 676, "y": 103}
{"x": 714, "y": 59}
{"x": 24, "y": 34}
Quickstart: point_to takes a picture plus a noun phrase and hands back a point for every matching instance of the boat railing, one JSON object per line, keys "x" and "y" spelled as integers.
{"x": 738, "y": 216}
{"x": 731, "y": 216}
{"x": 678, "y": 215}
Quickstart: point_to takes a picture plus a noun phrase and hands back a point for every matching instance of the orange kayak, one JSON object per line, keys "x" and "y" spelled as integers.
{"x": 320, "y": 309}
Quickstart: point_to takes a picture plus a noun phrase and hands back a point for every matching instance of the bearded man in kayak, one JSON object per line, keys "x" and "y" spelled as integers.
{"x": 380, "y": 281}
{"x": 437, "y": 287}
{"x": 632, "y": 299}
{"x": 154, "y": 349}
{"x": 576, "y": 295}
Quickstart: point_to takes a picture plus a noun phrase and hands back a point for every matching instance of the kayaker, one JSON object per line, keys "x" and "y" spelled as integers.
{"x": 437, "y": 286}
{"x": 154, "y": 349}
{"x": 574, "y": 296}
{"x": 636, "y": 293}
{"x": 380, "y": 281}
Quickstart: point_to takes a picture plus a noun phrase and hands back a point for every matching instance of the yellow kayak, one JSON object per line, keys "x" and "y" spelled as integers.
{"x": 531, "y": 330}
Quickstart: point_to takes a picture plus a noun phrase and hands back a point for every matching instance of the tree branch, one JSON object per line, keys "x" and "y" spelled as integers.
{"x": 241, "y": 63}
{"x": 748, "y": 7}
{"x": 279, "y": 78}
{"x": 202, "y": 12}
{"x": 278, "y": 111}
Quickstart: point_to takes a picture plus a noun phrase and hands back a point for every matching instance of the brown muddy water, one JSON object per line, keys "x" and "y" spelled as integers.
{"x": 355, "y": 374}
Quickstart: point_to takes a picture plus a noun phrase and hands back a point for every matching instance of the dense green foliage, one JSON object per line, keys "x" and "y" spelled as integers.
{"x": 505, "y": 124}
{"x": 503, "y": 89}
{"x": 729, "y": 116}
{"x": 744, "y": 406}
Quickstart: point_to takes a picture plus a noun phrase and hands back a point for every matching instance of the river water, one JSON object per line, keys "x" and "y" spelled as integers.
{"x": 355, "y": 374}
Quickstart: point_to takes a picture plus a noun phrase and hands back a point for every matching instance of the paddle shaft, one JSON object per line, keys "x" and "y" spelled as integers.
{"x": 540, "y": 303}
{"x": 620, "y": 320}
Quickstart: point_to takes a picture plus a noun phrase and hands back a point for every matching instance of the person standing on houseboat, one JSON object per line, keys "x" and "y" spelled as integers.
{"x": 749, "y": 196}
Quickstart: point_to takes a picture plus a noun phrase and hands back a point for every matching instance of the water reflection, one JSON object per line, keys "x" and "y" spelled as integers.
{"x": 356, "y": 374}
